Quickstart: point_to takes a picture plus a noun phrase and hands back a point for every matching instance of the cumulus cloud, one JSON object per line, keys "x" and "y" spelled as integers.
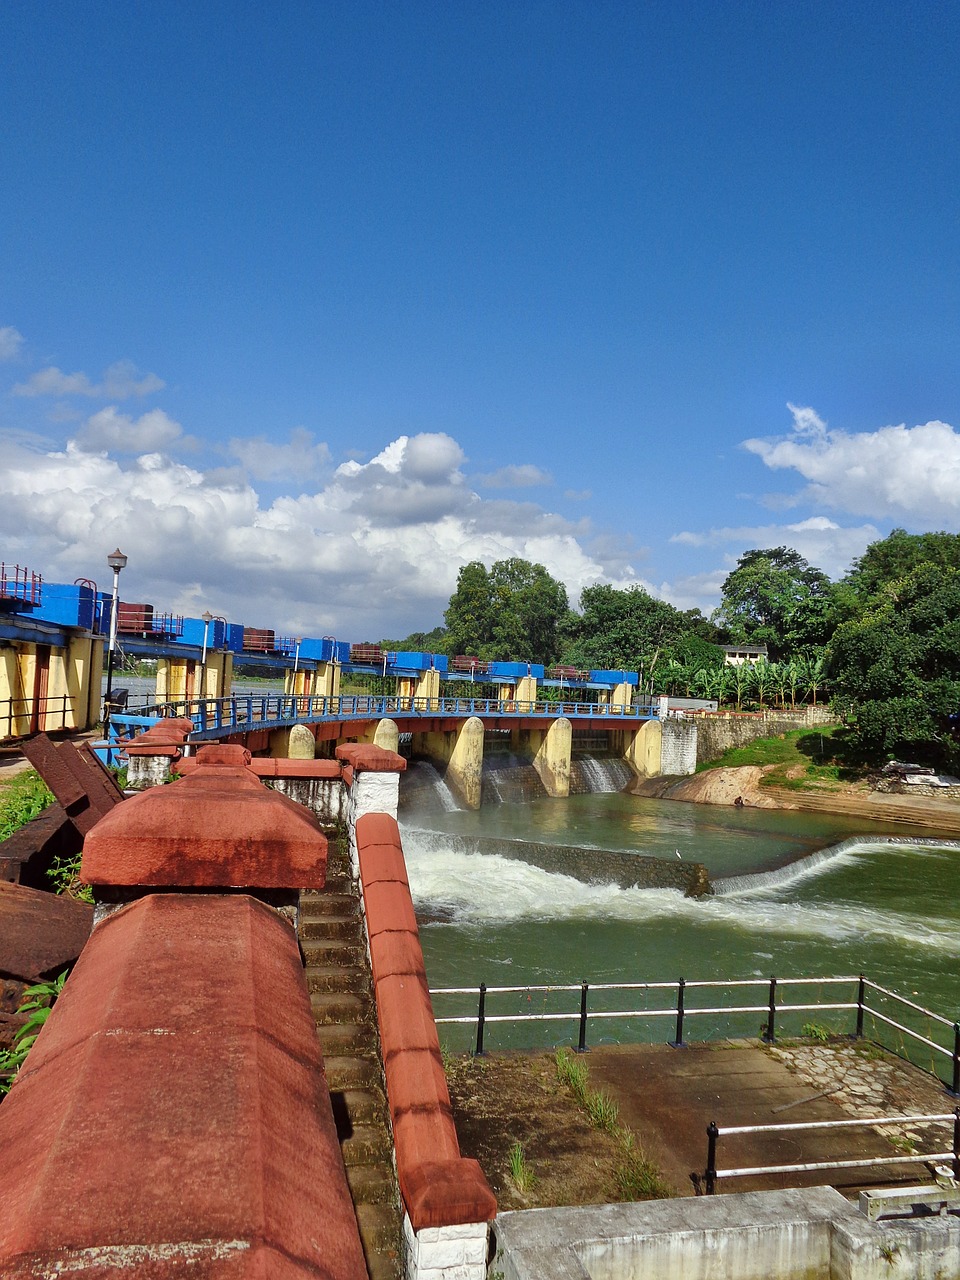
{"x": 10, "y": 343}
{"x": 523, "y": 476}
{"x": 827, "y": 545}
{"x": 906, "y": 474}
{"x": 121, "y": 380}
{"x": 301, "y": 457}
{"x": 374, "y": 551}
{"x": 114, "y": 432}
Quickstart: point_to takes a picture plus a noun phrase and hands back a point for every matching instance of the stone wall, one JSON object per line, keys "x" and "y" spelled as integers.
{"x": 721, "y": 730}
{"x": 678, "y": 746}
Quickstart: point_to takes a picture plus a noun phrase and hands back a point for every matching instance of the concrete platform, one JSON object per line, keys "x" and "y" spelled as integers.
{"x": 670, "y": 1096}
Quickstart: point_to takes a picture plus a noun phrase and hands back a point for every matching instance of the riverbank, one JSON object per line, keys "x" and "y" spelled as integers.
{"x": 744, "y": 785}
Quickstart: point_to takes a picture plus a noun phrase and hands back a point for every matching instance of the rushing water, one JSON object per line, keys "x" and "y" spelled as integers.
{"x": 510, "y": 896}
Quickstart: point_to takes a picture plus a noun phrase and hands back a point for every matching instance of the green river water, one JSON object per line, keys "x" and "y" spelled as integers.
{"x": 890, "y": 911}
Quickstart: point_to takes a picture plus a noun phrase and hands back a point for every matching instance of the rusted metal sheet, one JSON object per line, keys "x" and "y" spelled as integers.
{"x": 40, "y": 932}
{"x": 81, "y": 785}
{"x": 26, "y": 854}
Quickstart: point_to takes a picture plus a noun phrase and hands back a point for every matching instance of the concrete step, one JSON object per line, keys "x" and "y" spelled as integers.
{"x": 333, "y": 951}
{"x": 381, "y": 1234}
{"x": 366, "y": 1144}
{"x": 363, "y": 1106}
{"x": 331, "y": 1007}
{"x": 335, "y": 977}
{"x": 347, "y": 1037}
{"x": 372, "y": 1184}
{"x": 324, "y": 928}
{"x": 352, "y": 1071}
{"x": 316, "y": 905}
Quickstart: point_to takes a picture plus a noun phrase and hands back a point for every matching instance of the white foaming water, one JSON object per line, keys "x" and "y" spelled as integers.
{"x": 485, "y": 889}
{"x": 822, "y": 860}
{"x": 439, "y": 790}
{"x": 598, "y": 774}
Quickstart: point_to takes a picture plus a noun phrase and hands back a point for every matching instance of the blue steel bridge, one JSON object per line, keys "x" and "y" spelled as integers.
{"x": 240, "y": 715}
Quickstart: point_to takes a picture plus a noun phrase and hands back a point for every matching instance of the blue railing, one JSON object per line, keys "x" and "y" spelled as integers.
{"x": 214, "y": 717}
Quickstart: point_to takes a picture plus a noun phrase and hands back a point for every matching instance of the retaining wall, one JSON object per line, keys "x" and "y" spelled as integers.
{"x": 810, "y": 1234}
{"x": 718, "y": 731}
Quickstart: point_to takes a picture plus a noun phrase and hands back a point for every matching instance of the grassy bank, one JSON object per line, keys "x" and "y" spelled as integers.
{"x": 22, "y": 798}
{"x": 804, "y": 759}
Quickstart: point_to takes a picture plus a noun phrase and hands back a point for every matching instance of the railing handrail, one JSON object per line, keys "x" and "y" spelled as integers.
{"x": 714, "y": 1132}
{"x": 224, "y": 713}
{"x": 681, "y": 1011}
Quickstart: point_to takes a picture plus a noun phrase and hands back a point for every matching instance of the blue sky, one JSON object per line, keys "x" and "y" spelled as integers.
{"x": 305, "y": 305}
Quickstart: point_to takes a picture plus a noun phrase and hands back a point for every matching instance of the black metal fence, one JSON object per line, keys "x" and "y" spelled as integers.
{"x": 573, "y": 1013}
{"x": 22, "y": 716}
{"x": 950, "y": 1153}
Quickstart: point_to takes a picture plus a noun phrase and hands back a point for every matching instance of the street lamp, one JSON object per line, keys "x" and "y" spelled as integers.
{"x": 117, "y": 561}
{"x": 207, "y": 617}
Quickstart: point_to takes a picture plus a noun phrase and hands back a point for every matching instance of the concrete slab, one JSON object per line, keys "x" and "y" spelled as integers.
{"x": 671, "y": 1095}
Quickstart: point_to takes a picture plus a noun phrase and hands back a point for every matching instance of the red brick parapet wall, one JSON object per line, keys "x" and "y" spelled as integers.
{"x": 440, "y": 1188}
{"x": 172, "y": 1118}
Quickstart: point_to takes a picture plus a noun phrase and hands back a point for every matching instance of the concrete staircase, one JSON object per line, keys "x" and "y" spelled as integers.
{"x": 341, "y": 994}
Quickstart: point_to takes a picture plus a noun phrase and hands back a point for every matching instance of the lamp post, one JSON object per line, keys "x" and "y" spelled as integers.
{"x": 207, "y": 617}
{"x": 117, "y": 561}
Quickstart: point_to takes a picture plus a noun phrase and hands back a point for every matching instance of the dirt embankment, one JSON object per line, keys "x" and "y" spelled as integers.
{"x": 713, "y": 786}
{"x": 745, "y": 785}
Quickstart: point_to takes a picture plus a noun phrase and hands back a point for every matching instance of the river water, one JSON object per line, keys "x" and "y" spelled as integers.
{"x": 507, "y": 896}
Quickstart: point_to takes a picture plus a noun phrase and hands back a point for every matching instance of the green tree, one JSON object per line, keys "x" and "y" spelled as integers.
{"x": 776, "y": 598}
{"x": 893, "y": 557}
{"x": 513, "y": 612}
{"x": 896, "y": 670}
{"x": 624, "y": 630}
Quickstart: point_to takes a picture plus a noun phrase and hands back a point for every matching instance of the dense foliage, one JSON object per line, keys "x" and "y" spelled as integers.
{"x": 514, "y": 610}
{"x": 776, "y": 598}
{"x": 883, "y": 643}
{"x": 896, "y": 668}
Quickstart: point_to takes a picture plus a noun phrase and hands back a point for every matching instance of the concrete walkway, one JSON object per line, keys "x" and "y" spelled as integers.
{"x": 669, "y": 1096}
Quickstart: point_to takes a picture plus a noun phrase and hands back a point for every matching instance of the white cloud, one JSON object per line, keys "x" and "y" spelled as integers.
{"x": 906, "y": 474}
{"x": 120, "y": 381}
{"x": 301, "y": 458}
{"x": 114, "y": 432}
{"x": 373, "y": 552}
{"x": 10, "y": 343}
{"x": 522, "y": 476}
{"x": 826, "y": 544}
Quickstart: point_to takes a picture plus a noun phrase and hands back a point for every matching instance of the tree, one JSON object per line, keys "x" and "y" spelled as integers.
{"x": 513, "y": 612}
{"x": 893, "y": 557}
{"x": 624, "y": 630}
{"x": 896, "y": 670}
{"x": 776, "y": 598}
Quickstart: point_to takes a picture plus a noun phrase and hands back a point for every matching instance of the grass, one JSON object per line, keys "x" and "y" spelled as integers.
{"x": 22, "y": 799}
{"x": 521, "y": 1175}
{"x": 802, "y": 759}
{"x": 636, "y": 1176}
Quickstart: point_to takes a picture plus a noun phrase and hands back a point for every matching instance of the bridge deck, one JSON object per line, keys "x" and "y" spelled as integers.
{"x": 219, "y": 717}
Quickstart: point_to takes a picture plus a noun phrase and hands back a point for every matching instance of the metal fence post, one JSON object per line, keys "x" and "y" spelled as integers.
{"x": 480, "y": 1015}
{"x": 861, "y": 992}
{"x": 677, "y": 1042}
{"x": 956, "y": 1060}
{"x": 582, "y": 1043}
{"x": 710, "y": 1176}
{"x": 771, "y": 1032}
{"x": 956, "y": 1142}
